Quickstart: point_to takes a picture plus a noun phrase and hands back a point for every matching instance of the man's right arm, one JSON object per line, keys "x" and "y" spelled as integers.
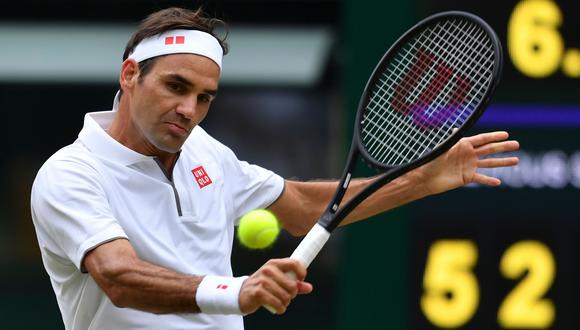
{"x": 131, "y": 282}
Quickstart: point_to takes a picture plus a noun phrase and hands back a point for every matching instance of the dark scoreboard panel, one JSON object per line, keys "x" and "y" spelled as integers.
{"x": 508, "y": 258}
{"x": 541, "y": 40}
{"x": 478, "y": 257}
{"x": 502, "y": 258}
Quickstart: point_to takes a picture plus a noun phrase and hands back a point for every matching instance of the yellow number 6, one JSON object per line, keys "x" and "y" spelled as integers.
{"x": 534, "y": 42}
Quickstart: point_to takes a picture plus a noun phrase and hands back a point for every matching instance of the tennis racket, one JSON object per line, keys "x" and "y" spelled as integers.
{"x": 428, "y": 89}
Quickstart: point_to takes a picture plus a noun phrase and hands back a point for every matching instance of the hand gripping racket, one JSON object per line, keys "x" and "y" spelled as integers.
{"x": 427, "y": 90}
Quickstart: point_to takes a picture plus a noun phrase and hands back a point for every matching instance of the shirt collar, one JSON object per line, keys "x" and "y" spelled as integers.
{"x": 116, "y": 101}
{"x": 97, "y": 140}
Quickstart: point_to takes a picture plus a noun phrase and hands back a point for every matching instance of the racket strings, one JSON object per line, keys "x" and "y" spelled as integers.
{"x": 416, "y": 103}
{"x": 397, "y": 77}
{"x": 418, "y": 68}
{"x": 451, "y": 95}
{"x": 429, "y": 77}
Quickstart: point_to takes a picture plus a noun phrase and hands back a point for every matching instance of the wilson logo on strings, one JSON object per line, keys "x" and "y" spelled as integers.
{"x": 425, "y": 111}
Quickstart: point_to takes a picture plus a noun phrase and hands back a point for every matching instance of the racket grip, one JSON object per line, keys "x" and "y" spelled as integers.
{"x": 306, "y": 251}
{"x": 312, "y": 243}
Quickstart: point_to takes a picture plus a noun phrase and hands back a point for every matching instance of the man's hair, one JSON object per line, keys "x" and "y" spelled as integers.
{"x": 171, "y": 19}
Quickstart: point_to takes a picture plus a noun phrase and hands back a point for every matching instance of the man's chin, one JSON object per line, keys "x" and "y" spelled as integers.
{"x": 171, "y": 148}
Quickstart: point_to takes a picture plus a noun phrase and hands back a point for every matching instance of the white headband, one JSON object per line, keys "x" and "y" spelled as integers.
{"x": 179, "y": 42}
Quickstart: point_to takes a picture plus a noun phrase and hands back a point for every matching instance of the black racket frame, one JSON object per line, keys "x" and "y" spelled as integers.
{"x": 333, "y": 215}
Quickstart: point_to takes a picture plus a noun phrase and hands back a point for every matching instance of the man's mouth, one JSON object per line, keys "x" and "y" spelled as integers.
{"x": 177, "y": 129}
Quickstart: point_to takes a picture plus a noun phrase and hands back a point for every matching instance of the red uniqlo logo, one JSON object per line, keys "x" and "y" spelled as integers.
{"x": 201, "y": 176}
{"x": 174, "y": 40}
{"x": 222, "y": 286}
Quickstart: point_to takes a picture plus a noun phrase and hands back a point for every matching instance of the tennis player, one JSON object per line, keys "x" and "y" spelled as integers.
{"x": 135, "y": 219}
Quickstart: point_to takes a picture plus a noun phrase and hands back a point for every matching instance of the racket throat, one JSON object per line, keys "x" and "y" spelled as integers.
{"x": 326, "y": 221}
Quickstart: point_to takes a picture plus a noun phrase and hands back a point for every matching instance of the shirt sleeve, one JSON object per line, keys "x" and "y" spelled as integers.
{"x": 70, "y": 209}
{"x": 250, "y": 186}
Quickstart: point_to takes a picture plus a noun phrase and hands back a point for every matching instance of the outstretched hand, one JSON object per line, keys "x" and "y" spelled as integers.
{"x": 458, "y": 166}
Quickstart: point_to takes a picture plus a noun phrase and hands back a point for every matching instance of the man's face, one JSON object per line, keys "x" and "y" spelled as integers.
{"x": 170, "y": 100}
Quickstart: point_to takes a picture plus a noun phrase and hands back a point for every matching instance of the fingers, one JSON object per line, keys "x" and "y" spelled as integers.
{"x": 497, "y": 147}
{"x": 485, "y": 138}
{"x": 288, "y": 265}
{"x": 497, "y": 162}
{"x": 490, "y": 149}
{"x": 486, "y": 180}
{"x": 272, "y": 286}
{"x": 304, "y": 287}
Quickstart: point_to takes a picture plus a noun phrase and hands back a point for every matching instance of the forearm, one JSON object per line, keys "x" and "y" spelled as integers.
{"x": 303, "y": 203}
{"x": 398, "y": 192}
{"x": 147, "y": 287}
{"x": 131, "y": 282}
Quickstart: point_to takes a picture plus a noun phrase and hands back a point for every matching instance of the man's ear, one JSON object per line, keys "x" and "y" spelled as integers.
{"x": 129, "y": 74}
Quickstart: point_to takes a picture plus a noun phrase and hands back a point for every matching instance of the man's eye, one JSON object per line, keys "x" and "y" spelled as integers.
{"x": 177, "y": 88}
{"x": 204, "y": 98}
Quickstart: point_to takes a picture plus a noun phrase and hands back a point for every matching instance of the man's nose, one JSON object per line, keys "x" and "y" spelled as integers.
{"x": 187, "y": 107}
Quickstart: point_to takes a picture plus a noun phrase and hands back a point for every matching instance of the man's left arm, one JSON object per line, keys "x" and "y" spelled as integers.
{"x": 302, "y": 203}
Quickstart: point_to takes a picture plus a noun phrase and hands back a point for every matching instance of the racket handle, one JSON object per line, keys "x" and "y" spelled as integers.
{"x": 306, "y": 251}
{"x": 312, "y": 243}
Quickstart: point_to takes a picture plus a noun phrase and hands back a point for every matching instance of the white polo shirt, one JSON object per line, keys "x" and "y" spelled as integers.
{"x": 96, "y": 190}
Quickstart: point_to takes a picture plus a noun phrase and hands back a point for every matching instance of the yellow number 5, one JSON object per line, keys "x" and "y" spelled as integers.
{"x": 451, "y": 291}
{"x": 524, "y": 306}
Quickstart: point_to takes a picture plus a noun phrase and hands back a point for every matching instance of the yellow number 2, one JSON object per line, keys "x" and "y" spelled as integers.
{"x": 524, "y": 306}
{"x": 451, "y": 291}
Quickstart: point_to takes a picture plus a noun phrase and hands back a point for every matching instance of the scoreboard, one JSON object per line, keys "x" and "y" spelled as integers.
{"x": 496, "y": 258}
{"x": 502, "y": 258}
{"x": 535, "y": 44}
{"x": 507, "y": 258}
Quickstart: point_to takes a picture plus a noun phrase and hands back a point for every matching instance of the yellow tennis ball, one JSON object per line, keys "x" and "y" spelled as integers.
{"x": 258, "y": 229}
